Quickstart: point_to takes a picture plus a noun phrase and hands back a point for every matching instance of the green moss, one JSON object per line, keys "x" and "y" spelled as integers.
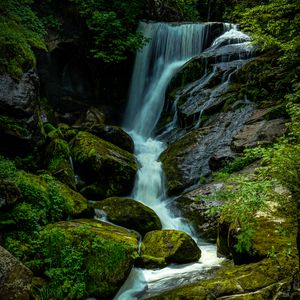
{"x": 15, "y": 126}
{"x": 170, "y": 245}
{"x": 107, "y": 166}
{"x": 86, "y": 258}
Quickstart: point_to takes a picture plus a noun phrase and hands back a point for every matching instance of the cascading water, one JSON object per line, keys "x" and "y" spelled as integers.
{"x": 170, "y": 47}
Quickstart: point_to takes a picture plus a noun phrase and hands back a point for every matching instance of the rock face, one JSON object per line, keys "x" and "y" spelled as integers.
{"x": 15, "y": 278}
{"x": 17, "y": 98}
{"x": 107, "y": 254}
{"x": 189, "y": 158}
{"x": 107, "y": 169}
{"x": 258, "y": 132}
{"x": 161, "y": 247}
{"x": 130, "y": 214}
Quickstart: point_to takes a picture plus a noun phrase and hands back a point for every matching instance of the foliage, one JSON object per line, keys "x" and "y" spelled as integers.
{"x": 113, "y": 25}
{"x": 272, "y": 24}
{"x": 73, "y": 258}
{"x": 20, "y": 32}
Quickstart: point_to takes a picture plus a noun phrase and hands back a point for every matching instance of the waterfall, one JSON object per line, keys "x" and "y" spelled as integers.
{"x": 170, "y": 47}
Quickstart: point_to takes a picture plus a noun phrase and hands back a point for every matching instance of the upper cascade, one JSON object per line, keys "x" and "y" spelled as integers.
{"x": 170, "y": 46}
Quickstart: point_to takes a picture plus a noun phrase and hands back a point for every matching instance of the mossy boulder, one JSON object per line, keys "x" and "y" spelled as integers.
{"x": 110, "y": 169}
{"x": 42, "y": 199}
{"x": 114, "y": 135}
{"x": 260, "y": 280}
{"x": 130, "y": 213}
{"x": 84, "y": 258}
{"x": 268, "y": 239}
{"x": 161, "y": 247}
{"x": 59, "y": 160}
{"x": 15, "y": 278}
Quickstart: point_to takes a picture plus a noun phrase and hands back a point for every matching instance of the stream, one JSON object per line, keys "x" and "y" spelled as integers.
{"x": 170, "y": 47}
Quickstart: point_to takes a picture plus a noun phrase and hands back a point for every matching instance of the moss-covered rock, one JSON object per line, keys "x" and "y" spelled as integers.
{"x": 9, "y": 193}
{"x": 260, "y": 280}
{"x": 15, "y": 278}
{"x": 42, "y": 199}
{"x": 114, "y": 135}
{"x": 160, "y": 247}
{"x": 271, "y": 236}
{"x": 107, "y": 166}
{"x": 130, "y": 213}
{"x": 84, "y": 258}
{"x": 58, "y": 155}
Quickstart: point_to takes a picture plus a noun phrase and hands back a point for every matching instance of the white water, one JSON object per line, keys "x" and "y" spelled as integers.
{"x": 170, "y": 47}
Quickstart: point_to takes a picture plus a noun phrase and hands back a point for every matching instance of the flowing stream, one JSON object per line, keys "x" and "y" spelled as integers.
{"x": 170, "y": 47}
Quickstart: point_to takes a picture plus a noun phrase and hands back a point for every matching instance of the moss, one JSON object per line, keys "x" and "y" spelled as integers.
{"x": 16, "y": 126}
{"x": 104, "y": 164}
{"x": 170, "y": 245}
{"x": 42, "y": 199}
{"x": 84, "y": 258}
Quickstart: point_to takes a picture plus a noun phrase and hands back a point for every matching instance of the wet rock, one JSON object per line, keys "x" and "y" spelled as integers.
{"x": 195, "y": 207}
{"x": 114, "y": 135}
{"x": 107, "y": 169}
{"x": 130, "y": 213}
{"x": 188, "y": 159}
{"x": 93, "y": 116}
{"x": 161, "y": 247}
{"x": 15, "y": 278}
{"x": 17, "y": 97}
{"x": 107, "y": 251}
{"x": 258, "y": 132}
{"x": 9, "y": 193}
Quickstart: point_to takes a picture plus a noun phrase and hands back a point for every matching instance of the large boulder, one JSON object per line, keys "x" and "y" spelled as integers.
{"x": 114, "y": 135}
{"x": 17, "y": 97}
{"x": 267, "y": 239}
{"x": 15, "y": 278}
{"x": 161, "y": 247}
{"x": 129, "y": 213}
{"x": 103, "y": 255}
{"x": 39, "y": 199}
{"x": 107, "y": 169}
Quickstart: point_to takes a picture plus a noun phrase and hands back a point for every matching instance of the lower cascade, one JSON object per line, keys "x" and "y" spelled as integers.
{"x": 171, "y": 46}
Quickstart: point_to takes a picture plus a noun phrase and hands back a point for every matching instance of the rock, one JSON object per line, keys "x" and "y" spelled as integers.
{"x": 93, "y": 116}
{"x": 15, "y": 136}
{"x": 109, "y": 169}
{"x": 60, "y": 163}
{"x": 9, "y": 193}
{"x": 114, "y": 135}
{"x": 266, "y": 239}
{"x": 130, "y": 213}
{"x": 255, "y": 281}
{"x": 42, "y": 199}
{"x": 161, "y": 247}
{"x": 256, "y": 133}
{"x": 17, "y": 97}
{"x": 15, "y": 278}
{"x": 194, "y": 207}
{"x": 188, "y": 159}
{"x": 107, "y": 255}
